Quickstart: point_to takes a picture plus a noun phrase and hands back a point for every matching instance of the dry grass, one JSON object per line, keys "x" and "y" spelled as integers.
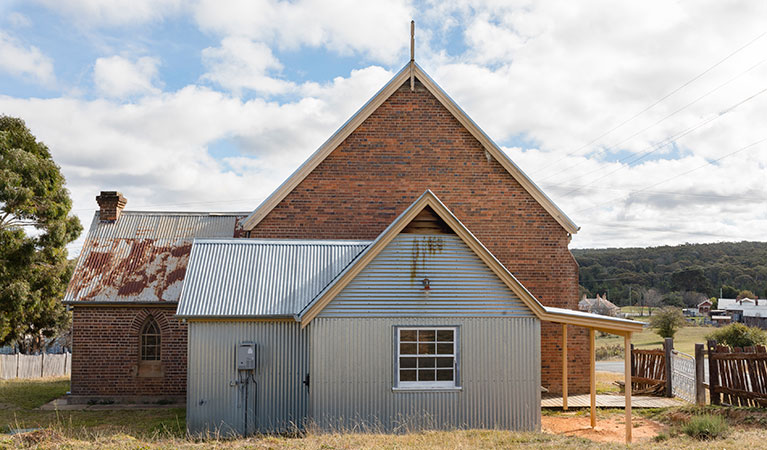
{"x": 606, "y": 382}
{"x": 164, "y": 429}
{"x": 684, "y": 341}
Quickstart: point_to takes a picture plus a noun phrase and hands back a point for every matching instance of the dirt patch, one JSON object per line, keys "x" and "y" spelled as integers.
{"x": 609, "y": 429}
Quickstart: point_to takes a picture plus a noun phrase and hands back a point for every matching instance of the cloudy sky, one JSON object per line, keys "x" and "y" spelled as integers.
{"x": 644, "y": 121}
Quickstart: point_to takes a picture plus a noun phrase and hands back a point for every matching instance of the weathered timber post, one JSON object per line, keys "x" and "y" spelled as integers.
{"x": 713, "y": 374}
{"x": 700, "y": 367}
{"x": 668, "y": 345}
{"x": 42, "y": 364}
{"x": 17, "y": 364}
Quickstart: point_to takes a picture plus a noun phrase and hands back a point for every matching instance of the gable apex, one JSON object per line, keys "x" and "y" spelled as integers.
{"x": 429, "y": 199}
{"x": 371, "y": 106}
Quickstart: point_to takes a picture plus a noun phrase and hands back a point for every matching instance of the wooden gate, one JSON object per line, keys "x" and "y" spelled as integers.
{"x": 648, "y": 372}
{"x": 738, "y": 376}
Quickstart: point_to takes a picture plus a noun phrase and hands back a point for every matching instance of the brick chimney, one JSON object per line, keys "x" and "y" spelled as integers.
{"x": 111, "y": 203}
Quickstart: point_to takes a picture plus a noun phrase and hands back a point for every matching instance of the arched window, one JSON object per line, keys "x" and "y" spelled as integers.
{"x": 150, "y": 341}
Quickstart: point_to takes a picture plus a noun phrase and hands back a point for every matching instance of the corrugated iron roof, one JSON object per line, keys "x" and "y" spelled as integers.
{"x": 142, "y": 256}
{"x": 260, "y": 278}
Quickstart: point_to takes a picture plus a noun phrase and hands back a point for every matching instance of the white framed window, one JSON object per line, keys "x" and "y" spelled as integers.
{"x": 426, "y": 357}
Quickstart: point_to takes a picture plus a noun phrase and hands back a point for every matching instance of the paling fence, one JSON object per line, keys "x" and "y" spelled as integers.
{"x": 35, "y": 366}
{"x": 737, "y": 376}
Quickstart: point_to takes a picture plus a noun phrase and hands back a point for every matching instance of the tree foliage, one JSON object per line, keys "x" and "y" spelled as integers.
{"x": 739, "y": 335}
{"x": 703, "y": 268}
{"x": 667, "y": 321}
{"x": 745, "y": 294}
{"x": 35, "y": 227}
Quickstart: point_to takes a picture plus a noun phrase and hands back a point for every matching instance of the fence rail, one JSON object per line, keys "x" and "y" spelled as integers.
{"x": 35, "y": 366}
{"x": 737, "y": 376}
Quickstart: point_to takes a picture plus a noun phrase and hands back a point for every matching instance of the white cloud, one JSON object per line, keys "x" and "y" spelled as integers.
{"x": 240, "y": 63}
{"x": 18, "y": 20}
{"x": 119, "y": 77}
{"x": 25, "y": 61}
{"x": 113, "y": 12}
{"x": 550, "y": 75}
{"x": 377, "y": 30}
{"x": 155, "y": 150}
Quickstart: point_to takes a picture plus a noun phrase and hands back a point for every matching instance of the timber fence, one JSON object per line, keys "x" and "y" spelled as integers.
{"x": 669, "y": 373}
{"x": 737, "y": 376}
{"x": 35, "y": 366}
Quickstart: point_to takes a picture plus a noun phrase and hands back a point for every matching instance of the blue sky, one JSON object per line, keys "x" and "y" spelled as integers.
{"x": 629, "y": 116}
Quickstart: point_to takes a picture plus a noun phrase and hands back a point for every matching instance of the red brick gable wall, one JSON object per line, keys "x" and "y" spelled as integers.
{"x": 412, "y": 143}
{"x": 105, "y": 352}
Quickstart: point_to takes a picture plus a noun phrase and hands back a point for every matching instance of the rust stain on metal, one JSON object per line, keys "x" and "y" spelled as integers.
{"x": 136, "y": 262}
{"x": 133, "y": 269}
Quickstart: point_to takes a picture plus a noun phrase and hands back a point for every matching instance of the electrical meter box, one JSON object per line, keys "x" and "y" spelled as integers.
{"x": 246, "y": 356}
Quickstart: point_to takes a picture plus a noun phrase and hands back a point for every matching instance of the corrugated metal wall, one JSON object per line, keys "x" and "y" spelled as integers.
{"x": 461, "y": 284}
{"x": 283, "y": 361}
{"x": 351, "y": 376}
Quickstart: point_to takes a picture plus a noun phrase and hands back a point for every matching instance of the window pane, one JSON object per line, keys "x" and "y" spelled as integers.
{"x": 426, "y": 349}
{"x": 408, "y": 349}
{"x": 445, "y": 349}
{"x": 445, "y": 335}
{"x": 426, "y": 335}
{"x": 407, "y": 375}
{"x": 408, "y": 363}
{"x": 445, "y": 362}
{"x": 426, "y": 362}
{"x": 444, "y": 375}
{"x": 407, "y": 335}
{"x": 426, "y": 375}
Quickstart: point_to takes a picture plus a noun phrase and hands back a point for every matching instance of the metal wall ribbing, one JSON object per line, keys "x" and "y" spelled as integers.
{"x": 351, "y": 376}
{"x": 461, "y": 285}
{"x": 215, "y": 405}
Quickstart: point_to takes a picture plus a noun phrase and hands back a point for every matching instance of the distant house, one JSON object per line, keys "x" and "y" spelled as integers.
{"x": 599, "y": 305}
{"x": 704, "y": 307}
{"x": 719, "y": 321}
{"x": 745, "y": 310}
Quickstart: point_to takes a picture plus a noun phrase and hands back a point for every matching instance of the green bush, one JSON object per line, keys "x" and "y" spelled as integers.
{"x": 667, "y": 321}
{"x": 739, "y": 335}
{"x": 608, "y": 352}
{"x": 705, "y": 427}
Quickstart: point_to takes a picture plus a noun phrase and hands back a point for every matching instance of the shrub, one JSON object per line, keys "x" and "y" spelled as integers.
{"x": 608, "y": 352}
{"x": 667, "y": 321}
{"x": 705, "y": 427}
{"x": 739, "y": 335}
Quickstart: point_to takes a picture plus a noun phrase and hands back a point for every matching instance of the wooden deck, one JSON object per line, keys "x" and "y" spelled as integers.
{"x": 610, "y": 401}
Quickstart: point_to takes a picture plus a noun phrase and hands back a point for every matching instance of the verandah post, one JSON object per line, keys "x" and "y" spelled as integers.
{"x": 564, "y": 366}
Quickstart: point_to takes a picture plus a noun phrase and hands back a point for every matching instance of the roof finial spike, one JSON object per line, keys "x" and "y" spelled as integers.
{"x": 412, "y": 55}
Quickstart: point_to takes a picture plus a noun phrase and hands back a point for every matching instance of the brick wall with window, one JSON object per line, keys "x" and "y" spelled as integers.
{"x": 412, "y": 143}
{"x": 115, "y": 352}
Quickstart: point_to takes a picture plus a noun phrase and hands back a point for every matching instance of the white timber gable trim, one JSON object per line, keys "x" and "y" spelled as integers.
{"x": 559, "y": 315}
{"x": 356, "y": 120}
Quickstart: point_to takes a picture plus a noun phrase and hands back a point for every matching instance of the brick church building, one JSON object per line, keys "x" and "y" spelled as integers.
{"x": 410, "y": 137}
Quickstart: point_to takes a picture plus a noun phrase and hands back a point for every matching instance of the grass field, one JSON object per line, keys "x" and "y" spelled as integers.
{"x": 164, "y": 429}
{"x": 684, "y": 341}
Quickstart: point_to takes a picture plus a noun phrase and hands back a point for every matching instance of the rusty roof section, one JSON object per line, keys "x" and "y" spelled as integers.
{"x": 142, "y": 257}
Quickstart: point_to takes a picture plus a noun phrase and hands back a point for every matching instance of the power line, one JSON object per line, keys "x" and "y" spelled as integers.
{"x": 615, "y": 146}
{"x": 709, "y": 163}
{"x": 675, "y": 194}
{"x": 186, "y": 204}
{"x": 662, "y": 144}
{"x": 647, "y": 108}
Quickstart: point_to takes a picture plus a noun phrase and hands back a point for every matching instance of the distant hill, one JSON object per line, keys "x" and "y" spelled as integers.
{"x": 673, "y": 270}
